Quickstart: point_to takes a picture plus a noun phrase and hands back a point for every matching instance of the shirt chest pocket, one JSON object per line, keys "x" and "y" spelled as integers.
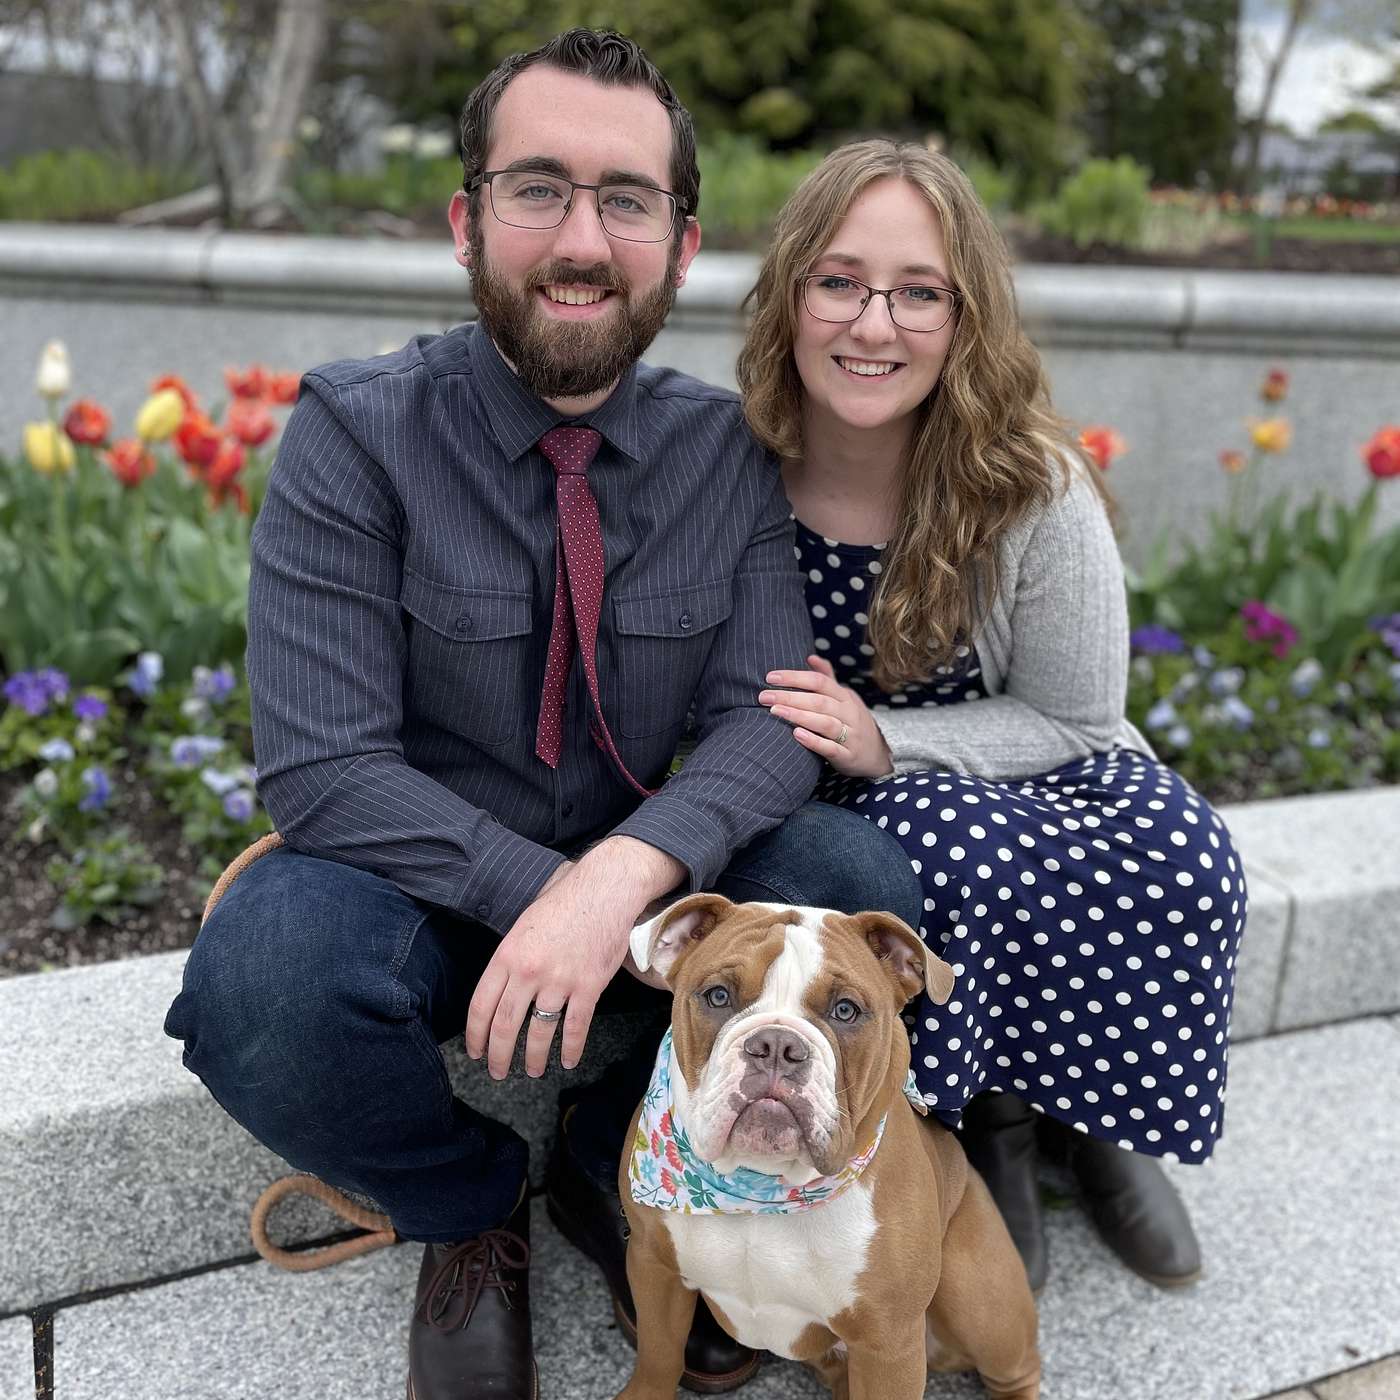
{"x": 660, "y": 644}
{"x": 468, "y": 657}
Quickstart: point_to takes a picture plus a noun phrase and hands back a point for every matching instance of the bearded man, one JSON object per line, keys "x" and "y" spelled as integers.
{"x": 495, "y": 572}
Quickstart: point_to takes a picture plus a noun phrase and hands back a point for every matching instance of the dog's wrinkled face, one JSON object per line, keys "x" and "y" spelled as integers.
{"x": 785, "y": 1026}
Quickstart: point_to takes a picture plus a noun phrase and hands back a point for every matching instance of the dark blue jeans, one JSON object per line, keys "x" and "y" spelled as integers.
{"x": 316, "y": 996}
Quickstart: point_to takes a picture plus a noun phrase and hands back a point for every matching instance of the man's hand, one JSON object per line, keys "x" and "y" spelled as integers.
{"x": 562, "y": 951}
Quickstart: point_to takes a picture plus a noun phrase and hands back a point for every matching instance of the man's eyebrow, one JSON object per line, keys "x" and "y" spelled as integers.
{"x": 544, "y": 165}
{"x": 909, "y": 269}
{"x": 627, "y": 177}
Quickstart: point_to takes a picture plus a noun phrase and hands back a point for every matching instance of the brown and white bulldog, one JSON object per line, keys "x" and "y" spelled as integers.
{"x": 788, "y": 1051}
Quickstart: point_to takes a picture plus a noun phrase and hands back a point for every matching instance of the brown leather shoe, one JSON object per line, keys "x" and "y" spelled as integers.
{"x": 1135, "y": 1209}
{"x": 471, "y": 1325}
{"x": 998, "y": 1135}
{"x": 591, "y": 1219}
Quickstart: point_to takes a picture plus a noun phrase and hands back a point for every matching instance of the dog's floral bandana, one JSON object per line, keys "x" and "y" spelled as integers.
{"x": 666, "y": 1172}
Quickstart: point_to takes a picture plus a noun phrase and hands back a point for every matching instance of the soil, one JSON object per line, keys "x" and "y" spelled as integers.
{"x": 1282, "y": 255}
{"x": 28, "y": 941}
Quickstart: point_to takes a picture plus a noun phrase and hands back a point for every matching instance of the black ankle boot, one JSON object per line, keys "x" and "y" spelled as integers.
{"x": 998, "y": 1135}
{"x": 1135, "y": 1209}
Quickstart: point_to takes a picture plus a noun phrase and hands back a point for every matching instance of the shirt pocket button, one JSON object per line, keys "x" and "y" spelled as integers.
{"x": 462, "y": 624}
{"x": 685, "y": 622}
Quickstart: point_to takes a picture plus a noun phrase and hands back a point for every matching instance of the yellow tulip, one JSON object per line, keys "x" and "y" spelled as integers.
{"x": 1271, "y": 434}
{"x": 160, "y": 415}
{"x": 47, "y": 448}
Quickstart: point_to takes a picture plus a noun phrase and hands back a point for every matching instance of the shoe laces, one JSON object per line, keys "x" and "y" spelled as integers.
{"x": 466, "y": 1271}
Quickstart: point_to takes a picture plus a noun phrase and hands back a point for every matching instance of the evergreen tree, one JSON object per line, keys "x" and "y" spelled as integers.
{"x": 1166, "y": 97}
{"x": 999, "y": 78}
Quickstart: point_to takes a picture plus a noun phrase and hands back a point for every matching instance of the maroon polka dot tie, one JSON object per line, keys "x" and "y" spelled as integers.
{"x": 578, "y": 585}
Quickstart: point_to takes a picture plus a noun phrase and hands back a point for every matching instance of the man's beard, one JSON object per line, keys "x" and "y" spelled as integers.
{"x": 568, "y": 359}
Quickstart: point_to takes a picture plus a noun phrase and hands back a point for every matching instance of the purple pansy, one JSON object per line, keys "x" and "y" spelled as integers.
{"x": 190, "y": 750}
{"x": 147, "y": 673}
{"x": 99, "y": 789}
{"x": 1263, "y": 624}
{"x": 1156, "y": 640}
{"x": 239, "y": 805}
{"x": 1389, "y": 630}
{"x": 214, "y": 685}
{"x": 35, "y": 691}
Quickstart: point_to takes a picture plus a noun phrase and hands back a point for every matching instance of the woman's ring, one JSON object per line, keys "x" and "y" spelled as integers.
{"x": 546, "y": 1015}
{"x": 841, "y": 737}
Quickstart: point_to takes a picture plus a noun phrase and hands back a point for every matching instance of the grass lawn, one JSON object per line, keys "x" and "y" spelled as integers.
{"x": 1323, "y": 230}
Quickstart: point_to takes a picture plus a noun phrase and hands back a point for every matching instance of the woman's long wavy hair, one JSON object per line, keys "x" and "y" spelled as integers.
{"x": 987, "y": 445}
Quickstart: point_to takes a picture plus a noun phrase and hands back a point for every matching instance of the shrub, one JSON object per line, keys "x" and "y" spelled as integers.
{"x": 80, "y": 184}
{"x": 1104, "y": 201}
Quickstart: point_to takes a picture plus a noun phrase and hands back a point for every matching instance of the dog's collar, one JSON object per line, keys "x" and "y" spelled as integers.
{"x": 666, "y": 1172}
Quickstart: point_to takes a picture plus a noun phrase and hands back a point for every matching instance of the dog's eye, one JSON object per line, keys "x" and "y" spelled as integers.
{"x": 716, "y": 998}
{"x": 845, "y": 1011}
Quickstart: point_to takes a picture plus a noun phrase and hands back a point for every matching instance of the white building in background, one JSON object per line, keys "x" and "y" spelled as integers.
{"x": 1306, "y": 165}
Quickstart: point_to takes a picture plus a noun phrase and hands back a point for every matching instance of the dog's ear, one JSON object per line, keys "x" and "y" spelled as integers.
{"x": 910, "y": 965}
{"x": 663, "y": 941}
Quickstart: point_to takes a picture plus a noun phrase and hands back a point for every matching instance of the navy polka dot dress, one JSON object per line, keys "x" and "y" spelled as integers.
{"x": 1091, "y": 914}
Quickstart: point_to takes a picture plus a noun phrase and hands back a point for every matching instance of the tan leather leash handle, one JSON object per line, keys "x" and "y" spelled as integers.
{"x": 381, "y": 1231}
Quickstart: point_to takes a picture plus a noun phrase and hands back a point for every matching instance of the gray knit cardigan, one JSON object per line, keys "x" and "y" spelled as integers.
{"x": 1054, "y": 654}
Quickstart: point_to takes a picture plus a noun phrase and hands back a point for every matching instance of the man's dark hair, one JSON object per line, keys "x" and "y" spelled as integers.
{"x": 605, "y": 56}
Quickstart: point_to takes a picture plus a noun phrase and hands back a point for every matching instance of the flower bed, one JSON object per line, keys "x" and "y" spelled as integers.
{"x": 126, "y": 777}
{"x": 1266, "y": 660}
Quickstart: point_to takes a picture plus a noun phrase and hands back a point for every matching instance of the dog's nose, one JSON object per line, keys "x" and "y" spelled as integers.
{"x": 774, "y": 1046}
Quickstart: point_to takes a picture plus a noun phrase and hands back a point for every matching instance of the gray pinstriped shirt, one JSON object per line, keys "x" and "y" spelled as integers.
{"x": 400, "y": 607}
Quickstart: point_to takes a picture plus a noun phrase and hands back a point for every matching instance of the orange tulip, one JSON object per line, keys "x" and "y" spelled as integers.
{"x": 1382, "y": 453}
{"x": 130, "y": 462}
{"x": 1232, "y": 460}
{"x": 250, "y": 422}
{"x": 197, "y": 440}
{"x": 87, "y": 422}
{"x": 1271, "y": 434}
{"x": 173, "y": 381}
{"x": 1103, "y": 445}
{"x": 250, "y": 383}
{"x": 1275, "y": 386}
{"x": 283, "y": 388}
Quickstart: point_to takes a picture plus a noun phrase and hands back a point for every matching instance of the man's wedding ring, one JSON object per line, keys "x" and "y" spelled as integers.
{"x": 841, "y": 737}
{"x": 546, "y": 1015}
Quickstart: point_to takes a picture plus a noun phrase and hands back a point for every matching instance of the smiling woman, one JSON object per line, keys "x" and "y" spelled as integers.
{"x": 957, "y": 548}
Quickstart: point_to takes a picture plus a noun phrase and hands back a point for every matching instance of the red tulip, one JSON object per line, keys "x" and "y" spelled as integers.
{"x": 249, "y": 422}
{"x": 250, "y": 383}
{"x": 1275, "y": 386}
{"x": 197, "y": 440}
{"x": 1382, "y": 453}
{"x": 222, "y": 476}
{"x": 283, "y": 388}
{"x": 1102, "y": 444}
{"x": 130, "y": 462}
{"x": 87, "y": 422}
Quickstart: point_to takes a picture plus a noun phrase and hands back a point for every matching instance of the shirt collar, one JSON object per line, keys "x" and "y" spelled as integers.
{"x": 518, "y": 419}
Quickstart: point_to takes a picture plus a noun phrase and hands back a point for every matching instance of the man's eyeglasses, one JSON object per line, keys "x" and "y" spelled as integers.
{"x": 832, "y": 296}
{"x": 527, "y": 199}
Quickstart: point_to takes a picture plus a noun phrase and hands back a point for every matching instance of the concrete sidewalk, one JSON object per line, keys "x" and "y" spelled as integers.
{"x": 1299, "y": 1217}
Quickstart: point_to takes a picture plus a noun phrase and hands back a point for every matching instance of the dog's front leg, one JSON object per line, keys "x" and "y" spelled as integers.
{"x": 894, "y": 1369}
{"x": 665, "y": 1310}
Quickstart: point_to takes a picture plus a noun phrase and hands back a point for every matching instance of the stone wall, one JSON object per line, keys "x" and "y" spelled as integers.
{"x": 1172, "y": 359}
